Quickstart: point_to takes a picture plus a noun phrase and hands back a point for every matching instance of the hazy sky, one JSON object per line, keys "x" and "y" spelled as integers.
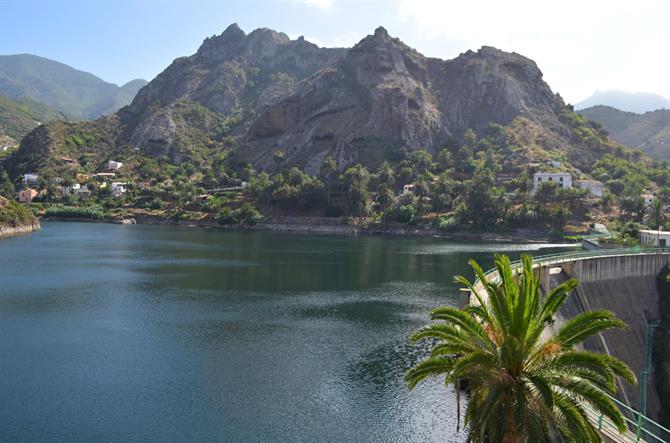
{"x": 580, "y": 45}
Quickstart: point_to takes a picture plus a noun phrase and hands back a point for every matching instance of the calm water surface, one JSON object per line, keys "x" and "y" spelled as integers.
{"x": 137, "y": 333}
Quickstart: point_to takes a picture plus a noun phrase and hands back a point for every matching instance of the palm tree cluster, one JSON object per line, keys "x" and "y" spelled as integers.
{"x": 525, "y": 384}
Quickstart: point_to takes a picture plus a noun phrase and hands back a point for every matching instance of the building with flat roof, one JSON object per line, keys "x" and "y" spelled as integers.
{"x": 595, "y": 187}
{"x": 650, "y": 237}
{"x": 27, "y": 195}
{"x": 562, "y": 179}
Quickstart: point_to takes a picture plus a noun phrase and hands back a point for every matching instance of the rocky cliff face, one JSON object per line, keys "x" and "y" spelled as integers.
{"x": 261, "y": 92}
{"x": 229, "y": 72}
{"x": 383, "y": 95}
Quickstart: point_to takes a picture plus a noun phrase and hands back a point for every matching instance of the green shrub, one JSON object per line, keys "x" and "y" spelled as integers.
{"x": 93, "y": 212}
{"x": 247, "y": 214}
{"x": 447, "y": 224}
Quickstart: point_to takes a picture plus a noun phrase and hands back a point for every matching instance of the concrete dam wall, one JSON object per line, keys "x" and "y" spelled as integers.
{"x": 625, "y": 285}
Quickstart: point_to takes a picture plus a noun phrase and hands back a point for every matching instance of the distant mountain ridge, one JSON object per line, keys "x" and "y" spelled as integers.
{"x": 19, "y": 118}
{"x": 638, "y": 102}
{"x": 76, "y": 94}
{"x": 649, "y": 131}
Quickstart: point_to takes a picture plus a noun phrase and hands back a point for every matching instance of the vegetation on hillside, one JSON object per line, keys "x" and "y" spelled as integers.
{"x": 19, "y": 118}
{"x": 483, "y": 183}
{"x": 75, "y": 94}
{"x": 14, "y": 214}
{"x": 525, "y": 384}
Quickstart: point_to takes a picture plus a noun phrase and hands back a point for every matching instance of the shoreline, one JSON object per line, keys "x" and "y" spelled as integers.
{"x": 324, "y": 226}
{"x": 12, "y": 231}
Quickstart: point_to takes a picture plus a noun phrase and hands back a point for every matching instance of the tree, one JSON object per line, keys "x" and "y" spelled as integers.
{"x": 526, "y": 384}
{"x": 328, "y": 170}
{"x": 655, "y": 216}
{"x": 356, "y": 180}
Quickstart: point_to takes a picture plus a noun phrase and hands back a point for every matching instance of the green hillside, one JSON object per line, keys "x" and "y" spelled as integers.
{"x": 19, "y": 118}
{"x": 76, "y": 94}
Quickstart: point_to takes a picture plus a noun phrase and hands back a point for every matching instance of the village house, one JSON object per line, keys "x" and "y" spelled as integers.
{"x": 594, "y": 187}
{"x": 113, "y": 165}
{"x": 27, "y": 195}
{"x": 118, "y": 189}
{"x": 562, "y": 179}
{"x": 82, "y": 191}
{"x": 649, "y": 237}
{"x": 408, "y": 189}
{"x": 30, "y": 179}
{"x": 82, "y": 178}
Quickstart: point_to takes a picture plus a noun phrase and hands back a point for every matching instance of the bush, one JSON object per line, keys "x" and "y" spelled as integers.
{"x": 226, "y": 217}
{"x": 447, "y": 224}
{"x": 93, "y": 211}
{"x": 247, "y": 214}
{"x": 14, "y": 214}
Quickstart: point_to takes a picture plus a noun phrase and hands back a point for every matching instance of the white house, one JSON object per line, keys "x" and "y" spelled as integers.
{"x": 113, "y": 165}
{"x": 649, "y": 237}
{"x": 554, "y": 163}
{"x": 562, "y": 179}
{"x": 75, "y": 187}
{"x": 595, "y": 188}
{"x": 118, "y": 189}
{"x": 31, "y": 178}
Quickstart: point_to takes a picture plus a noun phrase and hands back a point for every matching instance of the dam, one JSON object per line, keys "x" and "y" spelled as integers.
{"x": 624, "y": 282}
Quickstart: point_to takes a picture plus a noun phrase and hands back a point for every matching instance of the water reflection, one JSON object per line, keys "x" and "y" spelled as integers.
{"x": 139, "y": 333}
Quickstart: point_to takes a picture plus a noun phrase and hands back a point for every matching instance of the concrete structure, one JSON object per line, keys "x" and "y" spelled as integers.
{"x": 594, "y": 187}
{"x": 649, "y": 237}
{"x": 113, "y": 165}
{"x": 27, "y": 195}
{"x": 105, "y": 174}
{"x": 408, "y": 189}
{"x": 562, "y": 179}
{"x": 30, "y": 179}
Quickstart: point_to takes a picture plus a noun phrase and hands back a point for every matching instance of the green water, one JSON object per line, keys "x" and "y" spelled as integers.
{"x": 150, "y": 333}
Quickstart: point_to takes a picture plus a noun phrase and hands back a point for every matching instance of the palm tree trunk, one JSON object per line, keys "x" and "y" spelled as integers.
{"x": 511, "y": 434}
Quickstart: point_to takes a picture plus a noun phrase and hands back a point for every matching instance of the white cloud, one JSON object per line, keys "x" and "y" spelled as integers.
{"x": 580, "y": 45}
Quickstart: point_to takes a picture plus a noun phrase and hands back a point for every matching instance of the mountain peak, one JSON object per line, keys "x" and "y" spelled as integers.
{"x": 233, "y": 29}
{"x": 381, "y": 32}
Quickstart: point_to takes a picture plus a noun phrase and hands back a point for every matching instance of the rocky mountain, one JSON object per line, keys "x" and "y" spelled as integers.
{"x": 383, "y": 95}
{"x": 638, "y": 102}
{"x": 649, "y": 131}
{"x": 76, "y": 94}
{"x": 254, "y": 95}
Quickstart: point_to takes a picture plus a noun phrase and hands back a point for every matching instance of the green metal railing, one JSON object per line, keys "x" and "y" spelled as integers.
{"x": 640, "y": 427}
{"x": 563, "y": 257}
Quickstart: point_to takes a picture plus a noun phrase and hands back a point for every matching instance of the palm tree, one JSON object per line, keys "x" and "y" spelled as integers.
{"x": 525, "y": 383}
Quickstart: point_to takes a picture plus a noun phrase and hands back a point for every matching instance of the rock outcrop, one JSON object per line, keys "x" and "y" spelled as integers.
{"x": 255, "y": 94}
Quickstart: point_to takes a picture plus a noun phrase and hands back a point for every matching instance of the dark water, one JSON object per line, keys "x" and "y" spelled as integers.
{"x": 138, "y": 333}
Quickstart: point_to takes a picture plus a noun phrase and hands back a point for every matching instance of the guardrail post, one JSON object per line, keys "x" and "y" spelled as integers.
{"x": 639, "y": 426}
{"x": 600, "y": 422}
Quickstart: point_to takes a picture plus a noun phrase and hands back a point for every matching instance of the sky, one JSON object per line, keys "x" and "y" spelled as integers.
{"x": 580, "y": 45}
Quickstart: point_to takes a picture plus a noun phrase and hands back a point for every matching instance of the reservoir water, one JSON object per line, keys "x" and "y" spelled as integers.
{"x": 153, "y": 333}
